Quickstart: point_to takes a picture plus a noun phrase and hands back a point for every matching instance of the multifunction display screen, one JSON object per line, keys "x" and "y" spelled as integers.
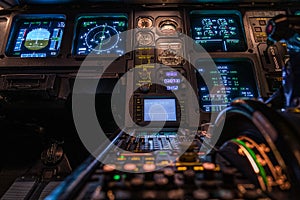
{"x": 159, "y": 110}
{"x": 36, "y": 36}
{"x": 100, "y": 35}
{"x": 216, "y": 32}
{"x": 229, "y": 81}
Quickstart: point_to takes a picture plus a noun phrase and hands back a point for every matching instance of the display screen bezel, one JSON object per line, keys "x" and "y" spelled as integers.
{"x": 199, "y": 14}
{"x": 242, "y": 62}
{"x": 16, "y": 24}
{"x": 102, "y": 16}
{"x": 159, "y": 100}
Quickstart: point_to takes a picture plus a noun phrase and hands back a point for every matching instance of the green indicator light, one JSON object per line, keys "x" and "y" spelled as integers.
{"x": 251, "y": 152}
{"x": 45, "y": 22}
{"x": 26, "y": 22}
{"x": 122, "y": 156}
{"x": 162, "y": 153}
{"x": 117, "y": 177}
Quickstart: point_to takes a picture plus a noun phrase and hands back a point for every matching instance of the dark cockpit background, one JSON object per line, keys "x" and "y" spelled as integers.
{"x": 44, "y": 43}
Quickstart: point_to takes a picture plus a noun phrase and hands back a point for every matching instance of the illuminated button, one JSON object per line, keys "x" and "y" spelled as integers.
{"x": 129, "y": 166}
{"x": 135, "y": 158}
{"x": 164, "y": 162}
{"x": 109, "y": 167}
{"x": 209, "y": 166}
{"x": 181, "y": 168}
{"x": 121, "y": 158}
{"x": 117, "y": 177}
{"x": 257, "y": 29}
{"x": 217, "y": 168}
{"x": 149, "y": 158}
{"x": 149, "y": 167}
{"x": 262, "y": 22}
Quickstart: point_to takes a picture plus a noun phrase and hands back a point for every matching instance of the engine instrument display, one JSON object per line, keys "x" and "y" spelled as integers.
{"x": 218, "y": 32}
{"x": 35, "y": 36}
{"x": 236, "y": 79}
{"x": 100, "y": 35}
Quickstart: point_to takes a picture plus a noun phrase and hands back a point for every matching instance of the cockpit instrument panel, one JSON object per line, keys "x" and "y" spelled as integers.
{"x": 100, "y": 34}
{"x": 36, "y": 36}
{"x": 236, "y": 79}
{"x": 160, "y": 110}
{"x": 218, "y": 32}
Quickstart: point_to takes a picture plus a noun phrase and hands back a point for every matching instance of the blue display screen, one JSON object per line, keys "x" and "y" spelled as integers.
{"x": 36, "y": 36}
{"x": 218, "y": 32}
{"x": 100, "y": 35}
{"x": 159, "y": 110}
{"x": 230, "y": 80}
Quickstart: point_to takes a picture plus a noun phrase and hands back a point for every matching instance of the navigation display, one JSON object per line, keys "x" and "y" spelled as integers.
{"x": 238, "y": 80}
{"x": 36, "y": 36}
{"x": 159, "y": 110}
{"x": 95, "y": 35}
{"x": 218, "y": 32}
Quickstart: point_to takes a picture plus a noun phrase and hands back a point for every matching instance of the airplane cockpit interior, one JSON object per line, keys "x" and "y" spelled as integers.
{"x": 149, "y": 99}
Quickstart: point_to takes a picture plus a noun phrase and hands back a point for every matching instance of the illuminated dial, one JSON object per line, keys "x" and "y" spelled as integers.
{"x": 144, "y": 38}
{"x": 168, "y": 26}
{"x": 145, "y": 22}
{"x": 99, "y": 38}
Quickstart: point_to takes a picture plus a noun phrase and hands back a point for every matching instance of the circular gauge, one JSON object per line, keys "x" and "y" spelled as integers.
{"x": 144, "y": 38}
{"x": 144, "y": 22}
{"x": 168, "y": 26}
{"x": 100, "y": 38}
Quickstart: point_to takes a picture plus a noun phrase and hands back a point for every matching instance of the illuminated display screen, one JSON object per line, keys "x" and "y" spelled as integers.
{"x": 159, "y": 110}
{"x": 218, "y": 32}
{"x": 238, "y": 81}
{"x": 94, "y": 35}
{"x": 36, "y": 36}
